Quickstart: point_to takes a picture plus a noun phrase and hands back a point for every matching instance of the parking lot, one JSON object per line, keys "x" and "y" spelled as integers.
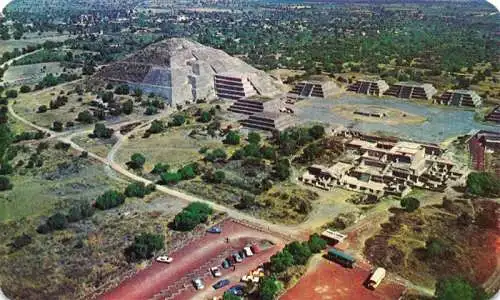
{"x": 174, "y": 280}
{"x": 327, "y": 280}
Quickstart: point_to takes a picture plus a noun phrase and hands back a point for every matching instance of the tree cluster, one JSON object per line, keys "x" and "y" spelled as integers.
{"x": 192, "y": 215}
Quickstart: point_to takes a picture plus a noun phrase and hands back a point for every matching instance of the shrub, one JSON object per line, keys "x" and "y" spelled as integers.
{"x": 128, "y": 107}
{"x": 62, "y": 146}
{"x": 57, "y": 126}
{"x": 137, "y": 161}
{"x": 300, "y": 252}
{"x": 216, "y": 177}
{"x": 410, "y": 204}
{"x": 42, "y": 109}
{"x": 282, "y": 169}
{"x": 192, "y": 215}
{"x": 483, "y": 184}
{"x": 109, "y": 200}
{"x": 25, "y": 89}
{"x": 316, "y": 243}
{"x": 281, "y": 261}
{"x": 122, "y": 89}
{"x": 151, "y": 110}
{"x": 456, "y": 288}
{"x": 178, "y": 120}
{"x": 269, "y": 288}
{"x": 144, "y": 246}
{"x": 317, "y": 131}
{"x": 170, "y": 178}
{"x": 57, "y": 222}
{"x": 157, "y": 126}
{"x": 187, "y": 172}
{"x": 107, "y": 97}
{"x": 138, "y": 189}
{"x": 101, "y": 131}
{"x": 160, "y": 168}
{"x": 205, "y": 117}
{"x": 85, "y": 117}
{"x": 216, "y": 155}
{"x": 11, "y": 94}
{"x": 20, "y": 241}
{"x": 254, "y": 137}
{"x": 5, "y": 183}
{"x": 232, "y": 138}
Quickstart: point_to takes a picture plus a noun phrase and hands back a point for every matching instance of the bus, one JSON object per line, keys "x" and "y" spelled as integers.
{"x": 341, "y": 258}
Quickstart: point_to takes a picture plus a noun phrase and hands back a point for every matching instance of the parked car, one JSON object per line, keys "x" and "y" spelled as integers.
{"x": 164, "y": 259}
{"x": 237, "y": 257}
{"x": 226, "y": 263}
{"x": 215, "y": 271}
{"x": 255, "y": 249}
{"x": 242, "y": 254}
{"x": 221, "y": 283}
{"x": 198, "y": 283}
{"x": 238, "y": 290}
{"x": 248, "y": 251}
{"x": 215, "y": 229}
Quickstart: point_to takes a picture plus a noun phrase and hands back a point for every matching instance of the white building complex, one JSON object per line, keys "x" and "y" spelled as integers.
{"x": 380, "y": 166}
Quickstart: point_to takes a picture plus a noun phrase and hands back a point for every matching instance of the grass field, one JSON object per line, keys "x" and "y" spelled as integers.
{"x": 31, "y": 74}
{"x": 100, "y": 147}
{"x": 31, "y": 39}
{"x": 173, "y": 147}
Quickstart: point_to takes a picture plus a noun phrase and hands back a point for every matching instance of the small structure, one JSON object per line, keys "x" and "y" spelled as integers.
{"x": 334, "y": 235}
{"x": 484, "y": 151}
{"x": 412, "y": 90}
{"x": 232, "y": 86}
{"x": 369, "y": 87}
{"x": 376, "y": 278}
{"x": 247, "y": 106}
{"x": 494, "y": 115}
{"x": 460, "y": 98}
{"x": 370, "y": 113}
{"x": 320, "y": 89}
{"x": 270, "y": 121}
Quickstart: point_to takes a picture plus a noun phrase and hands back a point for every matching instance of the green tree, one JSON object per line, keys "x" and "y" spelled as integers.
{"x": 128, "y": 107}
{"x": 57, "y": 221}
{"x": 454, "y": 288}
{"x": 254, "y": 137}
{"x": 317, "y": 131}
{"x": 282, "y": 169}
{"x": 281, "y": 261}
{"x": 107, "y": 97}
{"x": 232, "y": 138}
{"x": 160, "y": 168}
{"x": 157, "y": 126}
{"x": 138, "y": 189}
{"x": 11, "y": 94}
{"x": 483, "y": 184}
{"x": 109, "y": 200}
{"x": 410, "y": 204}
{"x": 122, "y": 89}
{"x": 170, "y": 178}
{"x": 144, "y": 246}
{"x": 25, "y": 89}
{"x": 57, "y": 126}
{"x": 5, "y": 183}
{"x": 316, "y": 243}
{"x": 230, "y": 296}
{"x": 269, "y": 288}
{"x": 300, "y": 252}
{"x": 205, "y": 117}
{"x": 85, "y": 117}
{"x": 187, "y": 172}
{"x": 178, "y": 120}
{"x": 101, "y": 131}
{"x": 137, "y": 161}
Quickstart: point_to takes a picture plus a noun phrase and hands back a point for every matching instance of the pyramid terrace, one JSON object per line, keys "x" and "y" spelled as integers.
{"x": 460, "y": 98}
{"x": 269, "y": 121}
{"x": 409, "y": 90}
{"x": 369, "y": 87}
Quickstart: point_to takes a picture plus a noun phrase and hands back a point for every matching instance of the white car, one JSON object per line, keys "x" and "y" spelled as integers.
{"x": 198, "y": 284}
{"x": 164, "y": 259}
{"x": 248, "y": 251}
{"x": 215, "y": 272}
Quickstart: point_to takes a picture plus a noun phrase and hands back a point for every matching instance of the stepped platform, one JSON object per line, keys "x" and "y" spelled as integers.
{"x": 369, "y": 87}
{"x": 460, "y": 98}
{"x": 409, "y": 90}
{"x": 269, "y": 121}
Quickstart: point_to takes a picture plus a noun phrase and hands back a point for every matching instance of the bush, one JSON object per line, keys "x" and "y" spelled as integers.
{"x": 456, "y": 288}
{"x": 137, "y": 161}
{"x": 216, "y": 177}
{"x": 151, "y": 110}
{"x": 187, "y": 172}
{"x": 483, "y": 184}
{"x": 57, "y": 126}
{"x": 144, "y": 246}
{"x": 282, "y": 169}
{"x": 254, "y": 137}
{"x": 57, "y": 222}
{"x": 317, "y": 131}
{"x": 62, "y": 146}
{"x": 300, "y": 252}
{"x": 5, "y": 183}
{"x": 178, "y": 120}
{"x": 192, "y": 215}
{"x": 138, "y": 189}
{"x": 410, "y": 204}
{"x": 25, "y": 89}
{"x": 205, "y": 117}
{"x": 281, "y": 261}
{"x": 232, "y": 138}
{"x": 269, "y": 288}
{"x": 42, "y": 109}
{"x": 128, "y": 107}
{"x": 216, "y": 155}
{"x": 160, "y": 168}
{"x": 170, "y": 178}
{"x": 20, "y": 241}
{"x": 157, "y": 126}
{"x": 85, "y": 117}
{"x": 316, "y": 243}
{"x": 101, "y": 131}
{"x": 122, "y": 89}
{"x": 11, "y": 94}
{"x": 109, "y": 200}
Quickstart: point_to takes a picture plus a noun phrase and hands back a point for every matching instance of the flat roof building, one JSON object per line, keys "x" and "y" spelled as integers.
{"x": 484, "y": 151}
{"x": 412, "y": 90}
{"x": 460, "y": 98}
{"x": 369, "y": 87}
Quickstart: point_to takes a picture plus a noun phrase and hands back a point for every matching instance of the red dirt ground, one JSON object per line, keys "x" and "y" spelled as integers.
{"x": 190, "y": 262}
{"x": 332, "y": 281}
